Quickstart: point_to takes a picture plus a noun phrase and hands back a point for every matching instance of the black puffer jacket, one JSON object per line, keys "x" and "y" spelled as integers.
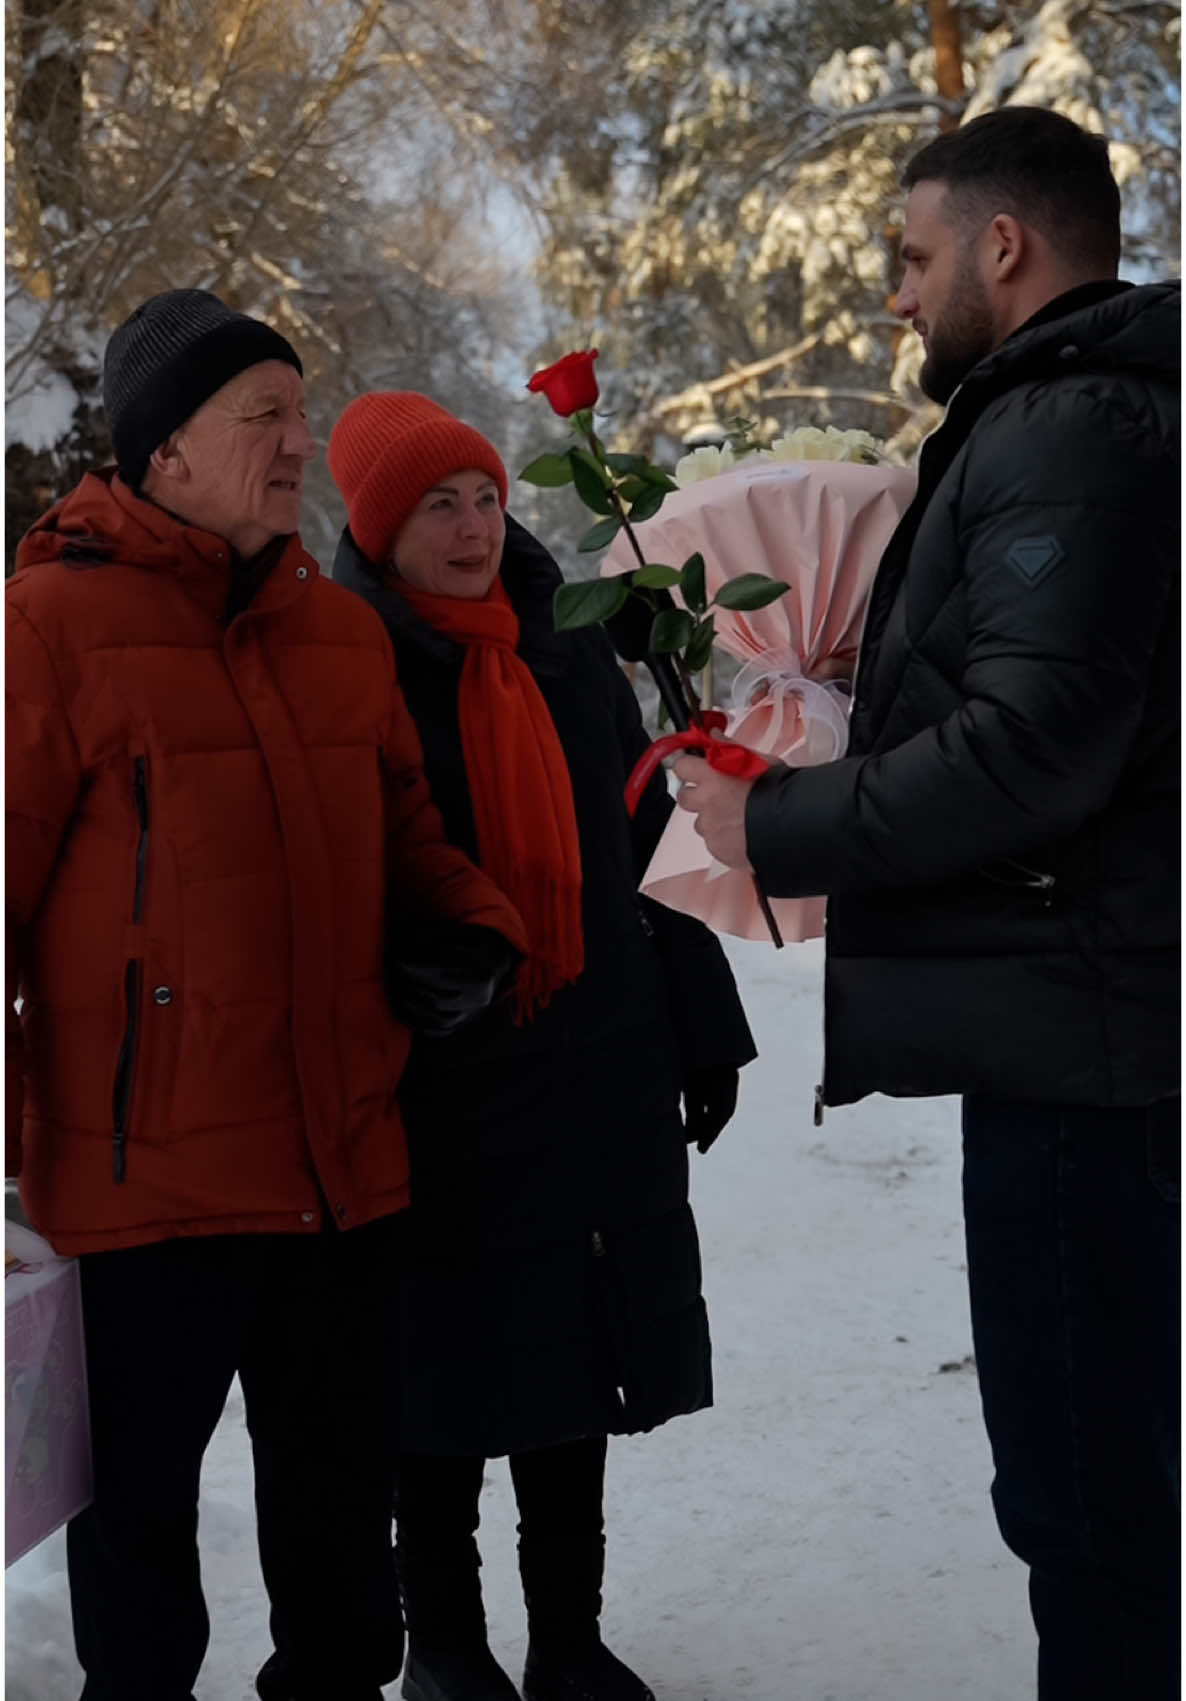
{"x": 1001, "y": 841}
{"x": 555, "y": 1287}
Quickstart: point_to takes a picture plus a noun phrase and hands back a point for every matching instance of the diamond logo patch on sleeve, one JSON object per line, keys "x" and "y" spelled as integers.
{"x": 1033, "y": 557}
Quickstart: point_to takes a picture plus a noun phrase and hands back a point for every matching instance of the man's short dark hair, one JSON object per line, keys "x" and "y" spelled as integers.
{"x": 1038, "y": 166}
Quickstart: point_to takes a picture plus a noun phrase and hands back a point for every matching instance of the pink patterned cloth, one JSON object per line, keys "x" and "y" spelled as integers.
{"x": 47, "y": 1445}
{"x": 821, "y": 526}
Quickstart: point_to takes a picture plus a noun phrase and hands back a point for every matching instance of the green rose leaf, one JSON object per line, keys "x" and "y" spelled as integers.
{"x": 692, "y": 583}
{"x": 650, "y": 502}
{"x": 549, "y": 471}
{"x": 631, "y": 488}
{"x": 655, "y": 577}
{"x": 628, "y": 464}
{"x": 578, "y": 453}
{"x": 599, "y": 535}
{"x": 671, "y": 630}
{"x": 700, "y": 644}
{"x": 587, "y": 477}
{"x": 587, "y": 603}
{"x": 750, "y": 590}
{"x": 656, "y": 476}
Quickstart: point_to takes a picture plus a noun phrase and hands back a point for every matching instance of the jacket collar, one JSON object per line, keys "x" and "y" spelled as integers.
{"x": 528, "y": 572}
{"x": 1075, "y": 301}
{"x": 1113, "y": 327}
{"x": 1098, "y": 327}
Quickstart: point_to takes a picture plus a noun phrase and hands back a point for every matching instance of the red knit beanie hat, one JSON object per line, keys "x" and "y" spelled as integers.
{"x": 388, "y": 449}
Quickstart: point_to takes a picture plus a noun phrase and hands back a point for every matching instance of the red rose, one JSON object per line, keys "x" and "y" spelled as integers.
{"x": 570, "y": 384}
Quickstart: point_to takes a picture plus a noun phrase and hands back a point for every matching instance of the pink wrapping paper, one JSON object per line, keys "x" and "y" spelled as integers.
{"x": 47, "y": 1447}
{"x": 821, "y": 526}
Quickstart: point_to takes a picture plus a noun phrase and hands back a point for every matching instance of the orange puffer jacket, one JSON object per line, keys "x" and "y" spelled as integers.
{"x": 205, "y": 824}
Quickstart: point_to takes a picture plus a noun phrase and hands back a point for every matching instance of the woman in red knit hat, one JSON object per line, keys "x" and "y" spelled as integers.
{"x": 553, "y": 1296}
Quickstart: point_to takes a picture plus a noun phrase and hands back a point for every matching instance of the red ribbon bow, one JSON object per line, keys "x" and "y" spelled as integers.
{"x": 720, "y": 753}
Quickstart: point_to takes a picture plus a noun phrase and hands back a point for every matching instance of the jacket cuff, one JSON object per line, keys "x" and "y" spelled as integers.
{"x": 769, "y": 844}
{"x": 800, "y": 831}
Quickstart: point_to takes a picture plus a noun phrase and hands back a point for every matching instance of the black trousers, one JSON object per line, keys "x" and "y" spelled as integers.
{"x": 308, "y": 1324}
{"x": 1073, "y": 1263}
{"x": 559, "y": 1494}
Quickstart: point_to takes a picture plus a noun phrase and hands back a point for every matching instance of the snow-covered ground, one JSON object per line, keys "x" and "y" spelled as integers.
{"x": 825, "y": 1533}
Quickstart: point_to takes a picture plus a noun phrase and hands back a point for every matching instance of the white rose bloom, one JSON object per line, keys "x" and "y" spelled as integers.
{"x": 805, "y": 443}
{"x": 706, "y": 462}
{"x": 809, "y": 443}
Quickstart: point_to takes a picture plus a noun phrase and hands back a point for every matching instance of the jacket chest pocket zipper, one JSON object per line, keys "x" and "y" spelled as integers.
{"x": 124, "y": 1071}
{"x": 140, "y": 792}
{"x": 125, "y": 1067}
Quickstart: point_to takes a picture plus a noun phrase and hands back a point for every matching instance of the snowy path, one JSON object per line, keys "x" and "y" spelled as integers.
{"x": 824, "y": 1534}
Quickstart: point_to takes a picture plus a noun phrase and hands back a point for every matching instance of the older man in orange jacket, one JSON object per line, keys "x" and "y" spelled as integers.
{"x": 216, "y": 817}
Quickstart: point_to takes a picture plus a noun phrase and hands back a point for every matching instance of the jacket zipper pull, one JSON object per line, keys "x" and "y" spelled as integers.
{"x": 817, "y": 1115}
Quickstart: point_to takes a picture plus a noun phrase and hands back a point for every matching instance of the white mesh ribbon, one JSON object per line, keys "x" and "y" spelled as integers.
{"x": 802, "y": 720}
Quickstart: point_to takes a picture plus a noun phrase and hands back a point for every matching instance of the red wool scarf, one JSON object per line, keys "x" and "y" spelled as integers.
{"x": 519, "y": 786}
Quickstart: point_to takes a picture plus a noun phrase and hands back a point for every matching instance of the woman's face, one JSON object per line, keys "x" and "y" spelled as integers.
{"x": 451, "y": 542}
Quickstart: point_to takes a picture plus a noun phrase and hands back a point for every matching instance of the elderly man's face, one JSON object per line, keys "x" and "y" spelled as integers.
{"x": 236, "y": 467}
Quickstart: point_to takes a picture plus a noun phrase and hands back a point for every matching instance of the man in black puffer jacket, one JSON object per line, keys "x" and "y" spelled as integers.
{"x": 1000, "y": 846}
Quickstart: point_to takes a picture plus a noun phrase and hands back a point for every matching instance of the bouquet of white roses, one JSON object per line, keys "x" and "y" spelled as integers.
{"x": 814, "y": 512}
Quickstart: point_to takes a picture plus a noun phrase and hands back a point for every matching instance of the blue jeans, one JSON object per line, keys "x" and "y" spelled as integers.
{"x": 1072, "y": 1220}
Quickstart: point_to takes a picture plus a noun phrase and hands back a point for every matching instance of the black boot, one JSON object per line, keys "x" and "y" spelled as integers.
{"x": 437, "y": 1559}
{"x": 275, "y": 1683}
{"x": 455, "y": 1674}
{"x": 559, "y": 1491}
{"x": 580, "y": 1674}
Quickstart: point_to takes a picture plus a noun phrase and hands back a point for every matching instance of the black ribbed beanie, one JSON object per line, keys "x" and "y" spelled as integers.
{"x": 170, "y": 356}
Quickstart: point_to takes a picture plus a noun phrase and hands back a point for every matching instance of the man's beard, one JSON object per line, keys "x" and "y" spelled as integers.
{"x": 961, "y": 336}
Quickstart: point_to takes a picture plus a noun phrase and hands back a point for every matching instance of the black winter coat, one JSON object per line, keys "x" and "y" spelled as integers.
{"x": 555, "y": 1282}
{"x": 1001, "y": 842}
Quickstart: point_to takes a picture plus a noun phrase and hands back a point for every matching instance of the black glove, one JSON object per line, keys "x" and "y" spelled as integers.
{"x": 710, "y": 1098}
{"x": 442, "y": 973}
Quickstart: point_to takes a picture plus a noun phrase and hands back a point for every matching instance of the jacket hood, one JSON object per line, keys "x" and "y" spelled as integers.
{"x": 103, "y": 520}
{"x": 528, "y": 572}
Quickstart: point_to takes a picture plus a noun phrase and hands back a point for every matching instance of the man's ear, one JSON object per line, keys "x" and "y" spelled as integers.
{"x": 1004, "y": 243}
{"x": 168, "y": 461}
